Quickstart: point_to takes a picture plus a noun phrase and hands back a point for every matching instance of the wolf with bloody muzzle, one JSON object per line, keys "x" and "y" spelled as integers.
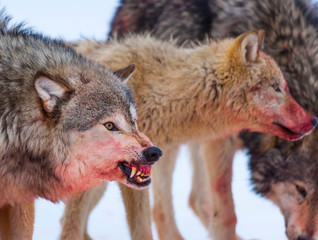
{"x": 66, "y": 124}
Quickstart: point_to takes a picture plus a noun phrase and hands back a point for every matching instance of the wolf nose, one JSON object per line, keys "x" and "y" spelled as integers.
{"x": 314, "y": 122}
{"x": 302, "y": 238}
{"x": 152, "y": 154}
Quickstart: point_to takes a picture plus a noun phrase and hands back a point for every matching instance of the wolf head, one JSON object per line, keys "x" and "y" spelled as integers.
{"x": 291, "y": 37}
{"x": 262, "y": 90}
{"x": 287, "y": 175}
{"x": 99, "y": 117}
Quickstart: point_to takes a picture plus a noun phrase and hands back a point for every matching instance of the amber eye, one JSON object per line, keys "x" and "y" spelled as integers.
{"x": 301, "y": 191}
{"x": 111, "y": 126}
{"x": 276, "y": 87}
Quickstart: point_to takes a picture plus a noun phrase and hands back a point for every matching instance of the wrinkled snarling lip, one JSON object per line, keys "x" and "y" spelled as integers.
{"x": 291, "y": 134}
{"x": 137, "y": 174}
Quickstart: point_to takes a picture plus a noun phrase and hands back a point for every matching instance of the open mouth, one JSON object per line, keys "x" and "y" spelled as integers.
{"x": 289, "y": 132}
{"x": 137, "y": 174}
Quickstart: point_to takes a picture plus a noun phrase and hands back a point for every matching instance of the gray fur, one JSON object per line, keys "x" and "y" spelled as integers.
{"x": 155, "y": 17}
{"x": 285, "y": 163}
{"x": 33, "y": 141}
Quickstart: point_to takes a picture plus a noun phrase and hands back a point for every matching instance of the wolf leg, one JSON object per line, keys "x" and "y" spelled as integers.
{"x": 16, "y": 222}
{"x": 200, "y": 196}
{"x": 138, "y": 212}
{"x": 218, "y": 155}
{"x": 76, "y": 213}
{"x": 4, "y": 223}
{"x": 163, "y": 212}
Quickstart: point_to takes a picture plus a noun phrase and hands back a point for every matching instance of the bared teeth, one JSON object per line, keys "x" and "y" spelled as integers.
{"x": 139, "y": 179}
{"x": 140, "y": 175}
{"x": 133, "y": 172}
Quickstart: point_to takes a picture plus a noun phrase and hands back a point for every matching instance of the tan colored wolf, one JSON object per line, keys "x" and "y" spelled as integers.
{"x": 291, "y": 39}
{"x": 66, "y": 124}
{"x": 212, "y": 90}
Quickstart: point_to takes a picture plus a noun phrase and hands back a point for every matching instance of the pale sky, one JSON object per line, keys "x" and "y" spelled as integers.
{"x": 58, "y": 18}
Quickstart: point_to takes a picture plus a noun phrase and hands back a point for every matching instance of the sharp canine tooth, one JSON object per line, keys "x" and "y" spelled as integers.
{"x": 138, "y": 173}
{"x": 139, "y": 179}
{"x": 133, "y": 171}
{"x": 145, "y": 179}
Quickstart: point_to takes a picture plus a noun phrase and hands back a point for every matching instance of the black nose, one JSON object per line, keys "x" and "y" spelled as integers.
{"x": 302, "y": 238}
{"x": 314, "y": 122}
{"x": 152, "y": 154}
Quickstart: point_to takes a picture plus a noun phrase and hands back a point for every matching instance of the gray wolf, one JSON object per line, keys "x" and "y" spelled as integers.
{"x": 291, "y": 39}
{"x": 208, "y": 91}
{"x": 66, "y": 124}
{"x": 286, "y": 173}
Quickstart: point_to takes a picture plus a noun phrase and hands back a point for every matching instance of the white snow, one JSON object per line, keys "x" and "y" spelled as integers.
{"x": 257, "y": 218}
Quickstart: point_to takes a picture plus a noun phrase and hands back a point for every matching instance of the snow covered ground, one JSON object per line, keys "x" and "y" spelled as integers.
{"x": 71, "y": 19}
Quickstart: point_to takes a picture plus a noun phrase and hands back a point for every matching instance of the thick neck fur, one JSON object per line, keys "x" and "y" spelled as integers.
{"x": 25, "y": 160}
{"x": 181, "y": 89}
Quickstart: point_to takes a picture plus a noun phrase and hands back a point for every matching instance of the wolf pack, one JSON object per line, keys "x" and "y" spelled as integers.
{"x": 216, "y": 75}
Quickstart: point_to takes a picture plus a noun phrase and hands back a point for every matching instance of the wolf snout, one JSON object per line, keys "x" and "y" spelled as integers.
{"x": 310, "y": 126}
{"x": 303, "y": 238}
{"x": 307, "y": 127}
{"x": 152, "y": 154}
{"x": 314, "y": 122}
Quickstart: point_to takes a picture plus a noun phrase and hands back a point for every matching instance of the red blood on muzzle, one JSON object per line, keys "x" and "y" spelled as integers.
{"x": 301, "y": 121}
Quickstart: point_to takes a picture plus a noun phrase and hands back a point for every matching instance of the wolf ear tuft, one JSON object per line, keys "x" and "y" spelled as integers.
{"x": 125, "y": 73}
{"x": 49, "y": 92}
{"x": 249, "y": 44}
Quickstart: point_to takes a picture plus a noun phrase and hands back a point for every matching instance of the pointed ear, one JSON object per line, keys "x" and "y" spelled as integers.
{"x": 249, "y": 44}
{"x": 125, "y": 73}
{"x": 49, "y": 91}
{"x": 261, "y": 39}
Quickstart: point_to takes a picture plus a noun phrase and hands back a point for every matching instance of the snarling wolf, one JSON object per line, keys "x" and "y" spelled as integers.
{"x": 66, "y": 124}
{"x": 291, "y": 39}
{"x": 207, "y": 91}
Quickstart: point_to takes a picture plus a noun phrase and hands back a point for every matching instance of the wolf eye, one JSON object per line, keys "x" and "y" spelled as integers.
{"x": 276, "y": 87}
{"x": 111, "y": 126}
{"x": 301, "y": 191}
